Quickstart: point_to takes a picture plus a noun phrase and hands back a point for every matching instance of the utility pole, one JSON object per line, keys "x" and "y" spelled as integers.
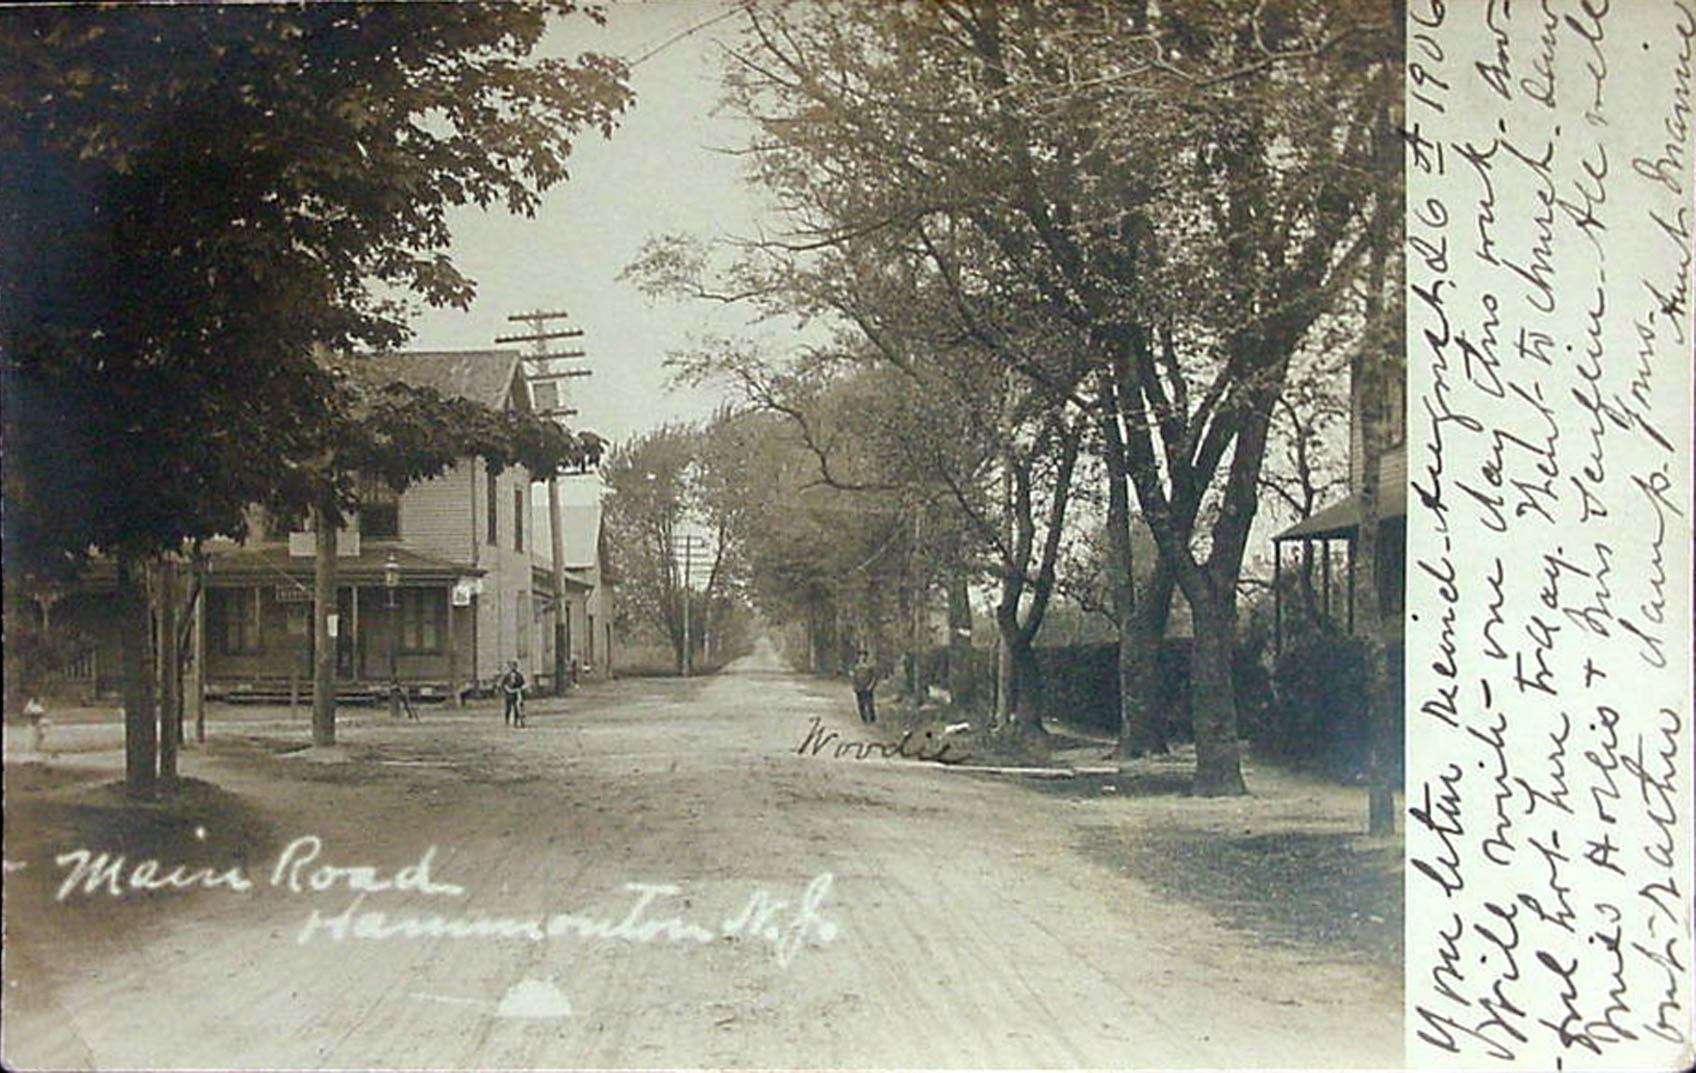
{"x": 690, "y": 544}
{"x": 688, "y": 648}
{"x": 542, "y": 371}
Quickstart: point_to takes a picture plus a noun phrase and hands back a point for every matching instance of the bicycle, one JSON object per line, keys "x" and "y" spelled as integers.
{"x": 397, "y": 697}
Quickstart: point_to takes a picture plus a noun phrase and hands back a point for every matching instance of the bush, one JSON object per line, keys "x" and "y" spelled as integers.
{"x": 1080, "y": 685}
{"x": 1318, "y": 714}
{"x": 34, "y": 658}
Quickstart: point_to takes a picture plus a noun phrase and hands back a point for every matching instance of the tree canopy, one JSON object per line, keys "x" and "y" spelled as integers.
{"x": 198, "y": 196}
{"x": 202, "y": 201}
{"x": 1139, "y": 210}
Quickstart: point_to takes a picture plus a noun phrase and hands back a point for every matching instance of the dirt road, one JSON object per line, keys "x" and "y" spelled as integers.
{"x": 791, "y": 911}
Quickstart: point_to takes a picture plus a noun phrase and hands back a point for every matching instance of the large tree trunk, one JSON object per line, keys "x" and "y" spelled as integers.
{"x": 324, "y": 642}
{"x": 1142, "y": 633}
{"x": 1154, "y": 611}
{"x": 1369, "y": 621}
{"x": 1218, "y": 761}
{"x": 1027, "y": 686}
{"x": 1006, "y": 673}
{"x": 962, "y": 681}
{"x": 1137, "y": 733}
{"x": 141, "y": 727}
{"x": 1016, "y": 676}
{"x": 171, "y": 679}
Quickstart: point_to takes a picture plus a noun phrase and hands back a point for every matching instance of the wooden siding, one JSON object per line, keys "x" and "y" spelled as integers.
{"x": 447, "y": 516}
{"x": 506, "y": 585}
{"x": 444, "y": 518}
{"x": 436, "y": 516}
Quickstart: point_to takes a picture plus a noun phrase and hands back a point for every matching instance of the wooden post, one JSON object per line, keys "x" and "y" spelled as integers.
{"x": 324, "y": 642}
{"x": 170, "y": 694}
{"x": 393, "y": 624}
{"x": 356, "y": 650}
{"x": 1326, "y": 566}
{"x": 199, "y": 641}
{"x": 453, "y": 651}
{"x": 562, "y": 637}
{"x": 1351, "y": 570}
{"x": 141, "y": 721}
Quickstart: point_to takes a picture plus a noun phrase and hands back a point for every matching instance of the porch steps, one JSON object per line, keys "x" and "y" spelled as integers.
{"x": 272, "y": 693}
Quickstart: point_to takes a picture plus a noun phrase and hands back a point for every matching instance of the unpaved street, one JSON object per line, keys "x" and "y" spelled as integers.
{"x": 928, "y": 918}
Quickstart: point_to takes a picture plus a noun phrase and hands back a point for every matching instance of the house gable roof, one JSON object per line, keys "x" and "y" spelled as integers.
{"x": 490, "y": 377}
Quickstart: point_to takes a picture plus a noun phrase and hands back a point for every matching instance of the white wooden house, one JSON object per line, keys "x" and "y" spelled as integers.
{"x": 471, "y": 593}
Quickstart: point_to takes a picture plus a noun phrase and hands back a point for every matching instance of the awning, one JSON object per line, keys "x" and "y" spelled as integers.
{"x": 542, "y": 579}
{"x": 271, "y": 565}
{"x": 1340, "y": 519}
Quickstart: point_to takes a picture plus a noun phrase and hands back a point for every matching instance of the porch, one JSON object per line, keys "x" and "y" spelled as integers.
{"x": 400, "y": 618}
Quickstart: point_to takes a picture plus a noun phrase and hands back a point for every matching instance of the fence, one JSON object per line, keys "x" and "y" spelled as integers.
{"x": 1310, "y": 711}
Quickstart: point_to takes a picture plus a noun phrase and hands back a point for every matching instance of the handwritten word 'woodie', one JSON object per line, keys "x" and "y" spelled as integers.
{"x": 818, "y": 738}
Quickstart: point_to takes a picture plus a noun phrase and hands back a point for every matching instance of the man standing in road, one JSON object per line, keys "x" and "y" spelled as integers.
{"x": 512, "y": 687}
{"x": 864, "y": 678}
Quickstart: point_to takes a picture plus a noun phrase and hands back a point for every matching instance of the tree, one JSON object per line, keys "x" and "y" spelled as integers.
{"x": 1310, "y": 423}
{"x": 648, "y": 512}
{"x": 205, "y": 194}
{"x": 1177, "y": 187}
{"x": 911, "y": 402}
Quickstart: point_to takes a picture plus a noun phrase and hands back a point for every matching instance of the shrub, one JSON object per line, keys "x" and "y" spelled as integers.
{"x": 1318, "y": 714}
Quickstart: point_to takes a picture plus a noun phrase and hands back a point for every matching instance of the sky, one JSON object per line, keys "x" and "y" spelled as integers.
{"x": 659, "y": 173}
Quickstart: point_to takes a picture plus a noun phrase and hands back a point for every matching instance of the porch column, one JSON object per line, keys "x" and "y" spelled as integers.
{"x": 453, "y": 651}
{"x": 357, "y": 653}
{"x": 197, "y": 639}
{"x": 1326, "y": 545}
{"x": 1351, "y": 583}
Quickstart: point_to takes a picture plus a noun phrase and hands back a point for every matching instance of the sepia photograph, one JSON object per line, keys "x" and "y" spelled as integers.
{"x": 726, "y": 534}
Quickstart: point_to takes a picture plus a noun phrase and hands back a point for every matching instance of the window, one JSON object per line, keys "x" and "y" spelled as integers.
{"x": 518, "y": 518}
{"x": 379, "y": 509}
{"x": 494, "y": 504}
{"x": 1392, "y": 565}
{"x": 421, "y": 620}
{"x": 1395, "y": 424}
{"x": 235, "y": 620}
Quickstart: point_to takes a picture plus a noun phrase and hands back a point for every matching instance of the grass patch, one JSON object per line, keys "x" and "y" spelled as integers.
{"x": 977, "y": 741}
{"x": 1158, "y": 783}
{"x": 196, "y": 824}
{"x": 1298, "y": 889}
